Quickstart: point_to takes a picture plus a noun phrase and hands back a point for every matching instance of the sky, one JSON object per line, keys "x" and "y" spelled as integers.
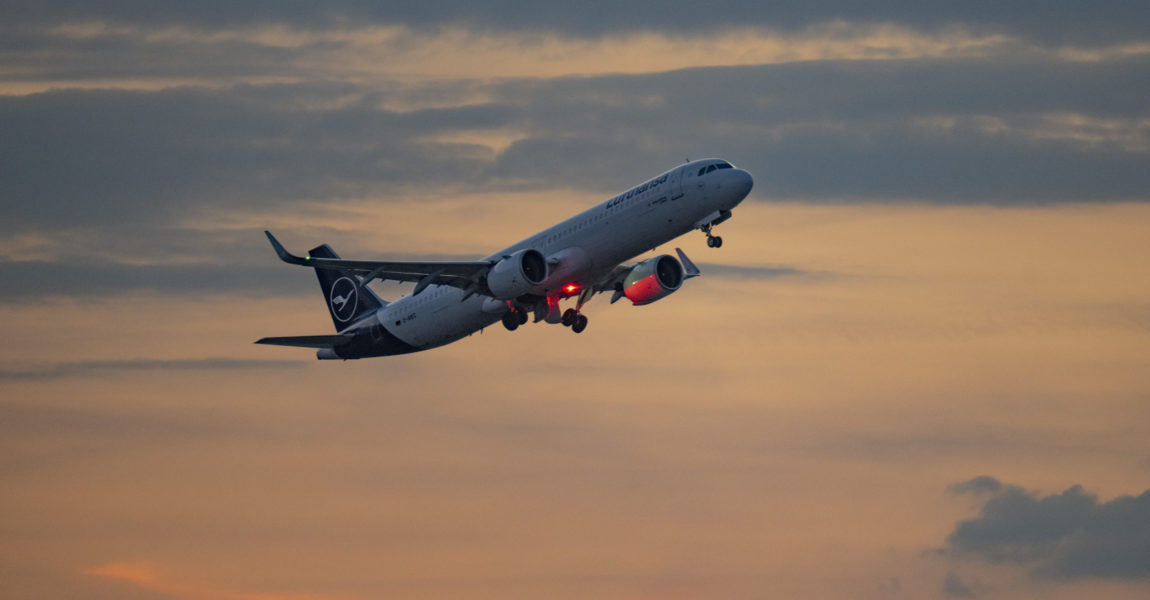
{"x": 919, "y": 367}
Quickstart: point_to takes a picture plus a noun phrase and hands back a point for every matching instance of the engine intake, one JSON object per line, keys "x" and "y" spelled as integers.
{"x": 515, "y": 275}
{"x": 653, "y": 279}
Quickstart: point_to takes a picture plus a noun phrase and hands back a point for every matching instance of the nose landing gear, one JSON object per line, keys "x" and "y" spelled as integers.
{"x": 713, "y": 241}
{"x": 709, "y": 222}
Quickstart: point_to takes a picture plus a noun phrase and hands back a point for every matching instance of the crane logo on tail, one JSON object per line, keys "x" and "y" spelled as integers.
{"x": 343, "y": 298}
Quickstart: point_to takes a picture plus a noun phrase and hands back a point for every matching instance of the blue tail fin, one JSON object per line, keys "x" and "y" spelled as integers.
{"x": 347, "y": 300}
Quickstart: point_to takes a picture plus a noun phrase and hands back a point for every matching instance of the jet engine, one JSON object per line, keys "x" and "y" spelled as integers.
{"x": 653, "y": 279}
{"x": 515, "y": 275}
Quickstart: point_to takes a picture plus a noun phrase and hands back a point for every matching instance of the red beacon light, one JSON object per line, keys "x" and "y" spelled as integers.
{"x": 571, "y": 288}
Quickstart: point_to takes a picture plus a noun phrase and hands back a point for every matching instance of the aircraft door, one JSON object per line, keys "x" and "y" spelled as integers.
{"x": 675, "y": 183}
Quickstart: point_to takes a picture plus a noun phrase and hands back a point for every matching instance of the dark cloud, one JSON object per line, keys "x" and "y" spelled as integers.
{"x": 92, "y": 262}
{"x": 836, "y": 91}
{"x": 134, "y": 158}
{"x": 838, "y": 131}
{"x": 182, "y": 262}
{"x": 953, "y": 587}
{"x": 60, "y": 370}
{"x": 34, "y": 281}
{"x": 841, "y": 130}
{"x": 255, "y": 273}
{"x": 1070, "y": 535}
{"x": 129, "y": 166}
{"x": 979, "y": 485}
{"x": 750, "y": 272}
{"x": 1098, "y": 22}
{"x": 29, "y": 55}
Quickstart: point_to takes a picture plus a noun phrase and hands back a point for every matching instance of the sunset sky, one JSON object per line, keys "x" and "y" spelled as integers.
{"x": 918, "y": 368}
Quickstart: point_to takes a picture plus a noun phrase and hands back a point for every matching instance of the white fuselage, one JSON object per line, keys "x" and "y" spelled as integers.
{"x": 580, "y": 250}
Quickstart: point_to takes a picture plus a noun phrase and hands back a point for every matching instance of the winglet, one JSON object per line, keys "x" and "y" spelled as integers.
{"x": 284, "y": 255}
{"x": 689, "y": 268}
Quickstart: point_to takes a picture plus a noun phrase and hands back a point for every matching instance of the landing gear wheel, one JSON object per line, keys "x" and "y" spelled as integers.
{"x": 569, "y": 317}
{"x": 522, "y": 314}
{"x": 511, "y": 320}
{"x": 580, "y": 324}
{"x": 713, "y": 241}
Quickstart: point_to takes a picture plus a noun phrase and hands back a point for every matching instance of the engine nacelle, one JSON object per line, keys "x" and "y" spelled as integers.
{"x": 517, "y": 274}
{"x": 653, "y": 279}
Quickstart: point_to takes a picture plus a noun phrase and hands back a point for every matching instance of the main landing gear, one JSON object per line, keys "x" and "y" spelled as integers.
{"x": 573, "y": 317}
{"x": 547, "y": 309}
{"x": 513, "y": 318}
{"x": 575, "y": 320}
{"x": 713, "y": 241}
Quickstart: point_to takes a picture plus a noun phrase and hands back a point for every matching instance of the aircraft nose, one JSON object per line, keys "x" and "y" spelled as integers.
{"x": 743, "y": 181}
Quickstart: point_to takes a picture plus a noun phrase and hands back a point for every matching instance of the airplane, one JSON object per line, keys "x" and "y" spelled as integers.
{"x": 576, "y": 258}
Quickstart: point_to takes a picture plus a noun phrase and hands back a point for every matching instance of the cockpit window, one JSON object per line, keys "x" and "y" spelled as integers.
{"x": 718, "y": 165}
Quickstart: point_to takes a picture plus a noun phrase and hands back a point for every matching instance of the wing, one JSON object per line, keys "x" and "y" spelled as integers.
{"x": 307, "y": 341}
{"x": 469, "y": 276}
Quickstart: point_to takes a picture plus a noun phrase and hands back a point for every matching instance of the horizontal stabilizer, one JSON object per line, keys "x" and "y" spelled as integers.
{"x": 308, "y": 341}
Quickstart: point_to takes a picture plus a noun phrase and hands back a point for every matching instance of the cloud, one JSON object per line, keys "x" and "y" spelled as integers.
{"x": 144, "y": 57}
{"x": 61, "y": 370}
{"x": 1070, "y": 535}
{"x": 40, "y": 280}
{"x": 979, "y": 485}
{"x": 749, "y": 271}
{"x": 921, "y": 130}
{"x": 116, "y": 157}
{"x": 1095, "y": 22}
{"x": 35, "y": 281}
{"x": 953, "y": 587}
{"x": 198, "y": 259}
{"x": 263, "y": 113}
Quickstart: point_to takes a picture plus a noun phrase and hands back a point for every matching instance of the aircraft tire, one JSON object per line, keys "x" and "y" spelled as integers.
{"x": 580, "y": 324}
